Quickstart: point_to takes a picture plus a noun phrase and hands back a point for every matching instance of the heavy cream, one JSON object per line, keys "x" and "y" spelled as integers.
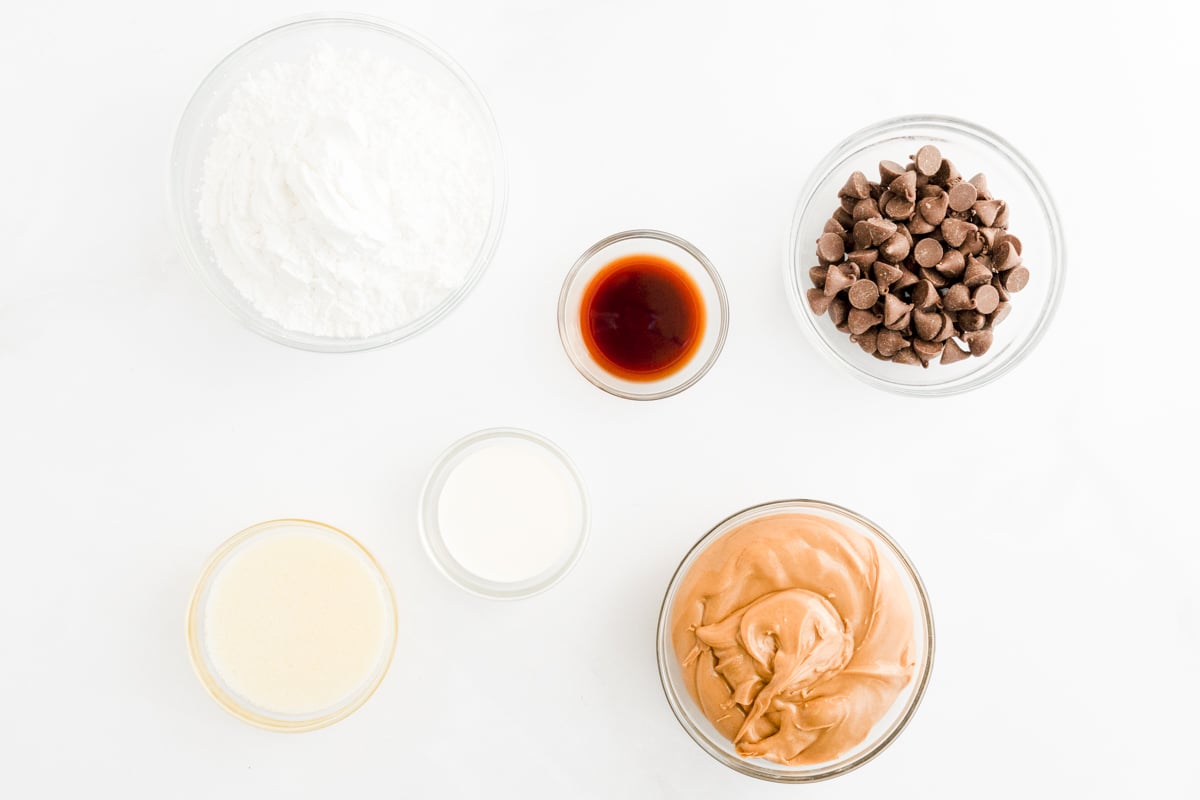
{"x": 794, "y": 636}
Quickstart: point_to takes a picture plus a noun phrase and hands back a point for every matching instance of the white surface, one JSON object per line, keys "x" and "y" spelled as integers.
{"x": 143, "y": 425}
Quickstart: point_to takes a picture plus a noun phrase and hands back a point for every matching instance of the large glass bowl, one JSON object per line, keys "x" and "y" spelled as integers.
{"x": 885, "y": 731}
{"x": 290, "y": 42}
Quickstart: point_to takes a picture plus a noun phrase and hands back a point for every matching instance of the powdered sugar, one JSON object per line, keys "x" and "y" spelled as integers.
{"x": 346, "y": 195}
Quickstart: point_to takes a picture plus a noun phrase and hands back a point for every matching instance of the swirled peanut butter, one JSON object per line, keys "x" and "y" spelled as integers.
{"x": 795, "y": 637}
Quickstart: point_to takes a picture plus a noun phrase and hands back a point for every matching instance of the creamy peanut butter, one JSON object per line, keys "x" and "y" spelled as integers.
{"x": 795, "y": 637}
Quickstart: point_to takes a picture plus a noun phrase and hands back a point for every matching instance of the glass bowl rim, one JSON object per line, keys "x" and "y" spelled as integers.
{"x": 196, "y": 648}
{"x": 661, "y": 236}
{"x": 179, "y": 209}
{"x": 1056, "y": 266}
{"x": 782, "y": 774}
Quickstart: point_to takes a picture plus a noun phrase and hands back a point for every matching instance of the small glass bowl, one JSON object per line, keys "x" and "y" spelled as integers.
{"x": 1034, "y": 220}
{"x": 288, "y": 42}
{"x": 885, "y": 731}
{"x": 676, "y": 250}
{"x": 206, "y": 671}
{"x": 444, "y": 560}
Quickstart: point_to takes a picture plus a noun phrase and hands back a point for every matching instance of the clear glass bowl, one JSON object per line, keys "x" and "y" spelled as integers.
{"x": 885, "y": 731}
{"x": 1033, "y": 219}
{"x": 289, "y": 42}
{"x": 688, "y": 258}
{"x": 444, "y": 560}
{"x": 243, "y": 708}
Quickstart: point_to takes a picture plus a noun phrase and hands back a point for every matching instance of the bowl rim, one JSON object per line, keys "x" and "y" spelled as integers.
{"x": 468, "y": 581}
{"x": 781, "y": 774}
{"x": 179, "y": 210}
{"x": 1056, "y": 266}
{"x": 196, "y": 647}
{"x": 661, "y": 236}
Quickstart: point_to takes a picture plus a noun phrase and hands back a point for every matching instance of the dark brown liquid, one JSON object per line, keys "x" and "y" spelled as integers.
{"x": 642, "y": 317}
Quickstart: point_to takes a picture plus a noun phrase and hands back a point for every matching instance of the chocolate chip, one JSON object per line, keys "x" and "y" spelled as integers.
{"x": 928, "y": 324}
{"x": 1005, "y": 236}
{"x": 864, "y": 293}
{"x": 818, "y": 301}
{"x": 861, "y": 320}
{"x": 843, "y": 218}
{"x": 879, "y": 230}
{"x": 817, "y": 276}
{"x": 925, "y": 295}
{"x": 848, "y": 203}
{"x": 1005, "y": 257}
{"x": 962, "y": 196}
{"x": 905, "y": 186}
{"x": 972, "y": 245}
{"x": 971, "y": 320}
{"x": 1015, "y": 279}
{"x": 926, "y": 350}
{"x": 978, "y": 341}
{"x": 977, "y": 273}
{"x": 865, "y": 209}
{"x": 899, "y": 208}
{"x": 1002, "y": 217}
{"x": 833, "y": 226}
{"x": 867, "y": 340}
{"x": 928, "y": 160}
{"x": 998, "y": 285}
{"x": 985, "y": 298}
{"x": 839, "y": 309}
{"x": 957, "y": 297}
{"x": 948, "y": 328}
{"x": 933, "y": 276}
{"x": 856, "y": 187}
{"x": 928, "y": 190}
{"x": 888, "y": 342}
{"x": 955, "y": 231}
{"x": 986, "y": 210}
{"x": 895, "y": 249}
{"x": 953, "y": 352}
{"x": 885, "y": 274}
{"x": 864, "y": 258}
{"x": 998, "y": 316}
{"x": 831, "y": 248}
{"x": 906, "y": 356}
{"x": 951, "y": 264}
{"x": 894, "y": 310}
{"x": 981, "y": 187}
{"x": 838, "y": 278}
{"x": 933, "y": 209}
{"x": 928, "y": 252}
{"x": 947, "y": 174}
{"x": 889, "y": 171}
{"x": 919, "y": 226}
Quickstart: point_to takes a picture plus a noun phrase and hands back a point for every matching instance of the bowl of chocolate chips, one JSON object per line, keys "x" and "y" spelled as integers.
{"x": 925, "y": 256}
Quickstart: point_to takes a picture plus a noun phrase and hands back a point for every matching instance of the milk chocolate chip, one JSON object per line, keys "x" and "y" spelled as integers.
{"x": 864, "y": 293}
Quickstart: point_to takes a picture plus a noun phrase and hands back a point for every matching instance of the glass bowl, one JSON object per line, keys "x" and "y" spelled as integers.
{"x": 697, "y": 725}
{"x": 244, "y": 708}
{"x": 440, "y": 553}
{"x": 1034, "y": 220}
{"x": 290, "y": 42}
{"x": 692, "y": 262}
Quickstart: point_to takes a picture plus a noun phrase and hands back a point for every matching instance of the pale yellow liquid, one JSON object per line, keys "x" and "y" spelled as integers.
{"x": 297, "y": 622}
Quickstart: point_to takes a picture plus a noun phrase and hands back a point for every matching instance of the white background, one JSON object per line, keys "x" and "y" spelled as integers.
{"x": 1051, "y": 514}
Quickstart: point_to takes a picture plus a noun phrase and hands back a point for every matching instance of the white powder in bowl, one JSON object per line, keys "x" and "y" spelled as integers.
{"x": 346, "y": 195}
